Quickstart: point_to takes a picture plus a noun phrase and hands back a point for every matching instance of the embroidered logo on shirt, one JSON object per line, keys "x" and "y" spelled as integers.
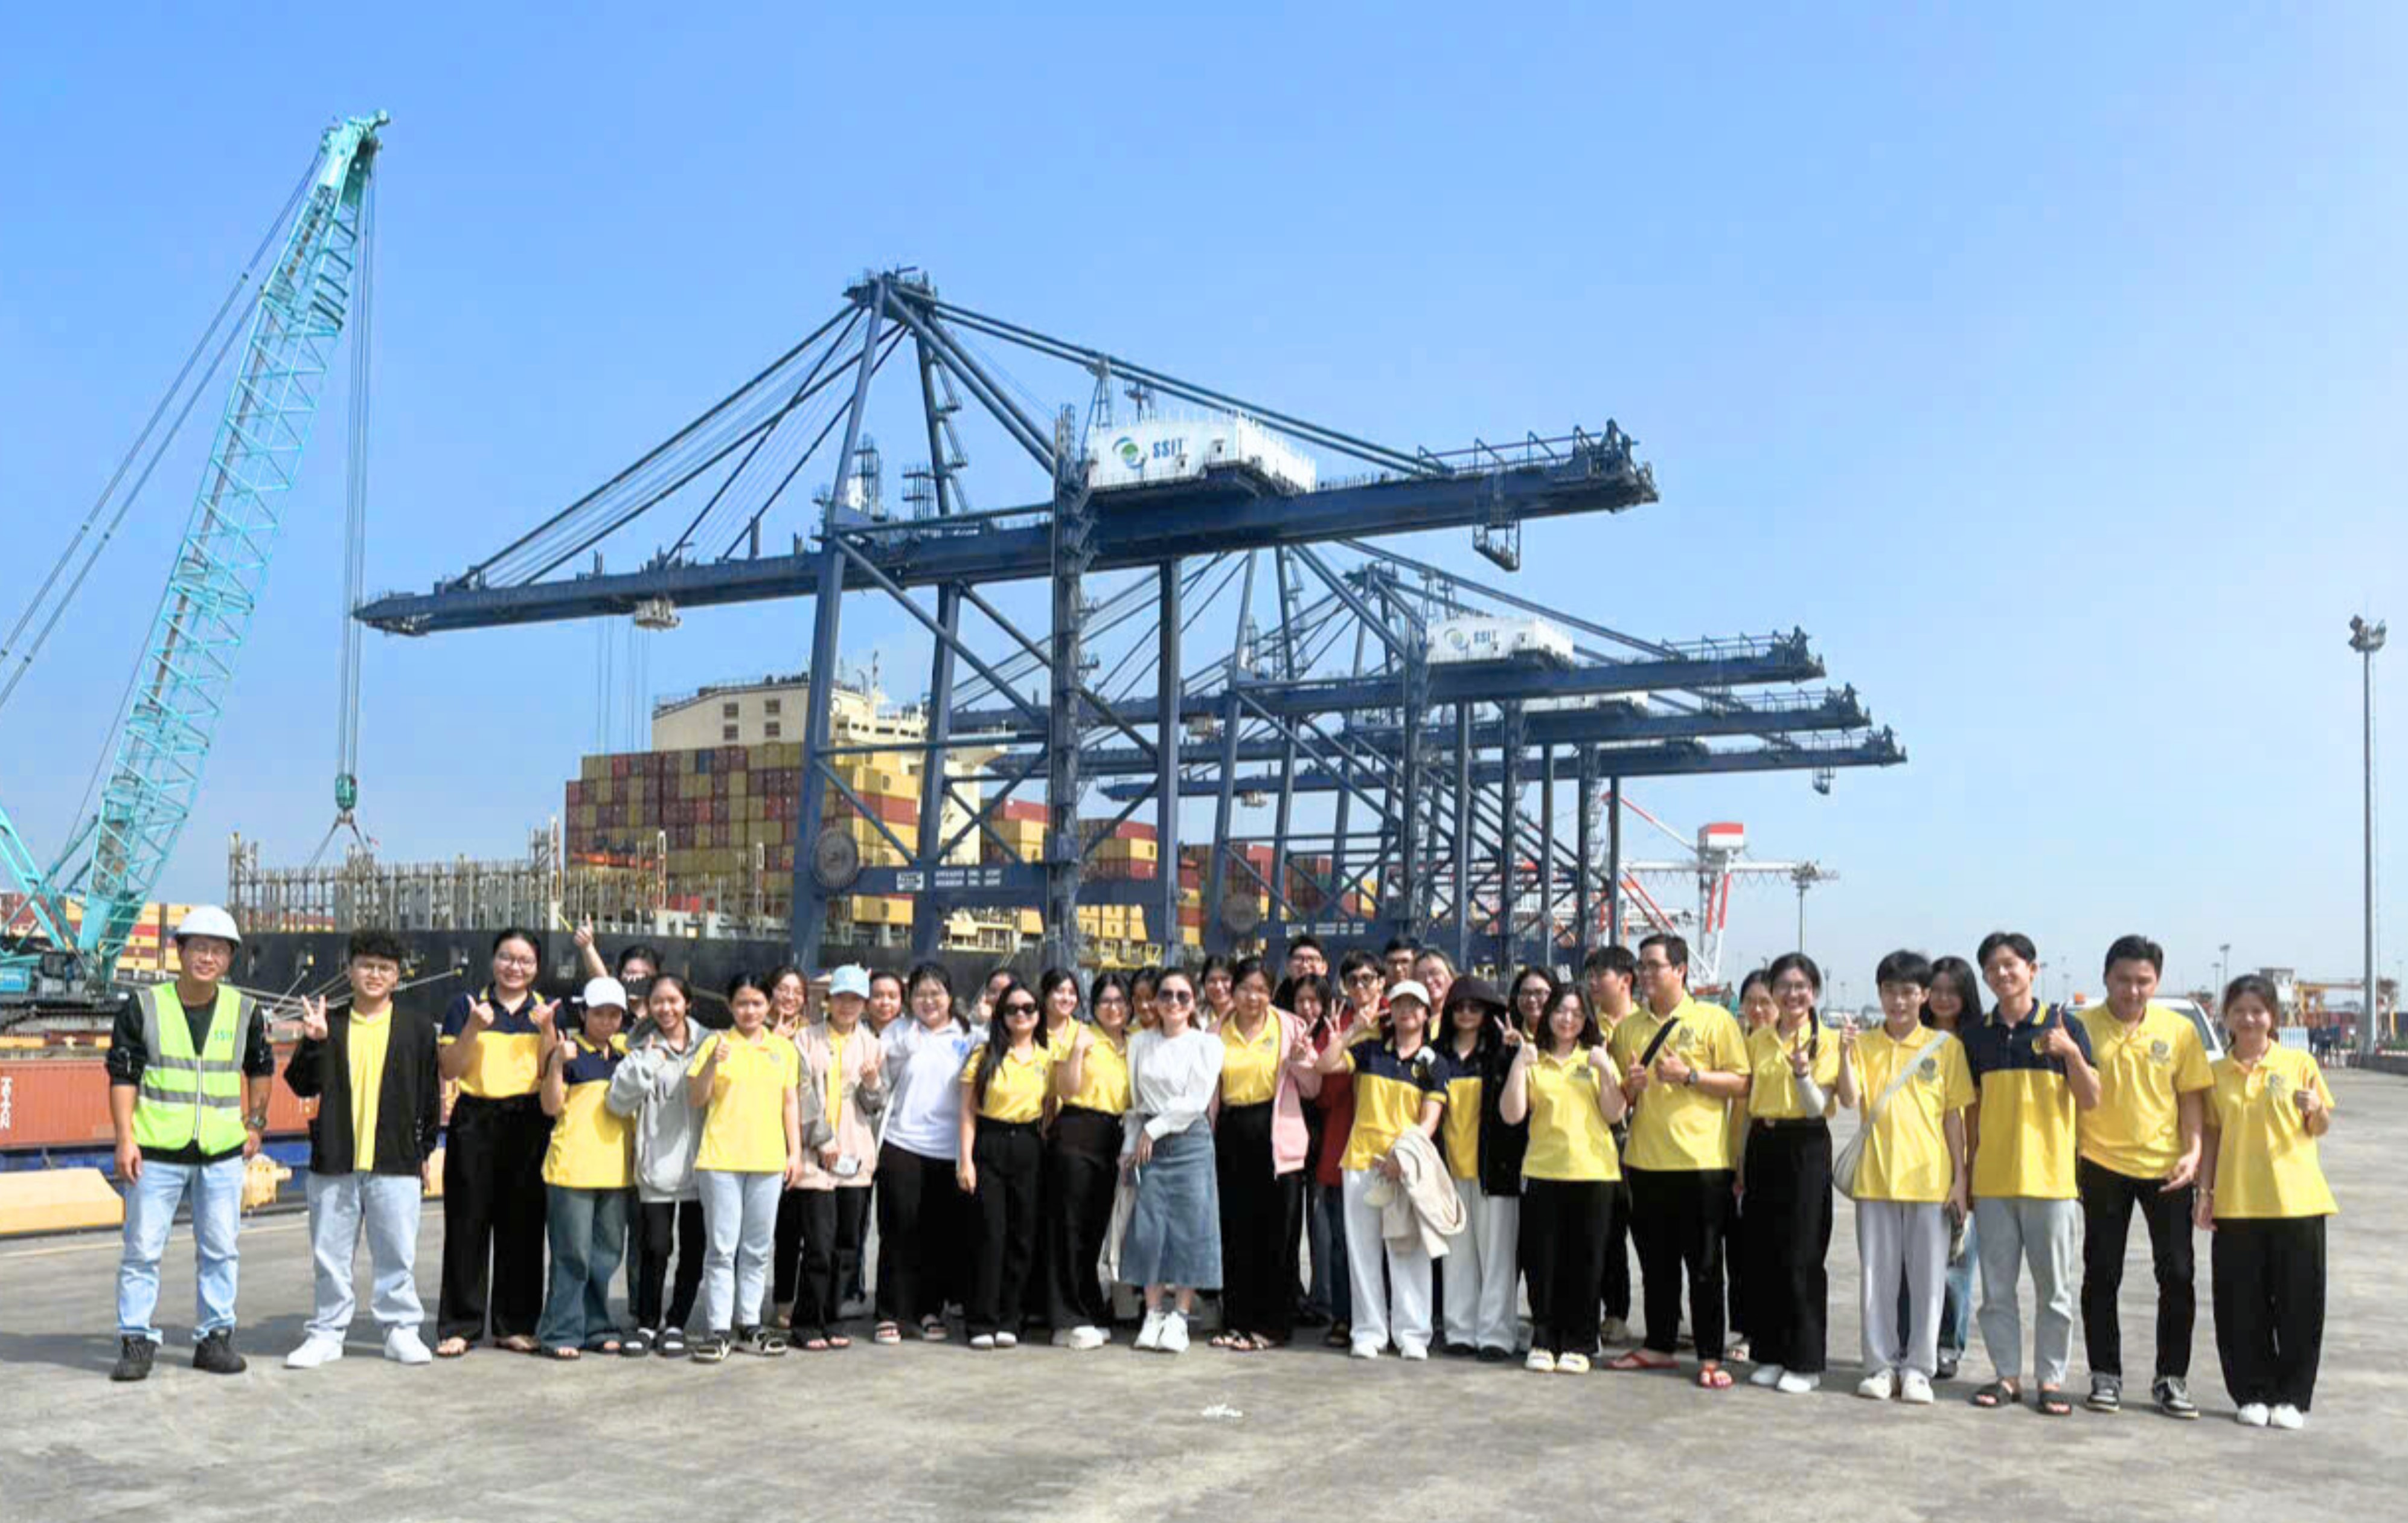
{"x": 2275, "y": 1084}
{"x": 2161, "y": 1051}
{"x": 1927, "y": 1071}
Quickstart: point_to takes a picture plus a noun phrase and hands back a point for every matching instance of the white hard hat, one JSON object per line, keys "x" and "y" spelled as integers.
{"x": 208, "y": 920}
{"x": 606, "y": 993}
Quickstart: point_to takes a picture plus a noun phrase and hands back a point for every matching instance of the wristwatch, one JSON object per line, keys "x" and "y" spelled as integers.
{"x": 256, "y": 1121}
{"x": 1689, "y": 1080}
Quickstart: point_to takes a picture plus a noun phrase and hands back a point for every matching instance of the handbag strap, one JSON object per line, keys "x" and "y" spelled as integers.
{"x": 1656, "y": 1043}
{"x": 1898, "y": 1079}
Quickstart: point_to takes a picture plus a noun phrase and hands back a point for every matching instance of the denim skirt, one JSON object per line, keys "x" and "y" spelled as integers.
{"x": 1174, "y": 1230}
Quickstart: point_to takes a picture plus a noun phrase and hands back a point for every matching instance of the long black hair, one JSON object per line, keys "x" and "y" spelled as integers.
{"x": 1967, "y": 985}
{"x": 998, "y": 1036}
{"x": 1588, "y": 1036}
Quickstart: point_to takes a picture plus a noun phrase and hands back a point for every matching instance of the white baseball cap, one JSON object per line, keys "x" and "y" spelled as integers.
{"x": 208, "y": 920}
{"x": 852, "y": 978}
{"x": 602, "y": 992}
{"x": 1410, "y": 988}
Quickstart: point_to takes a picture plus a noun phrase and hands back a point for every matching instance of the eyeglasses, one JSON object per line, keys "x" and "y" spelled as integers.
{"x": 515, "y": 962}
{"x": 1020, "y": 1007}
{"x": 1174, "y": 997}
{"x": 1363, "y": 975}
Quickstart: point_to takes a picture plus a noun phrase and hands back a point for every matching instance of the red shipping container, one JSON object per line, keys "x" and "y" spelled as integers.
{"x": 731, "y": 759}
{"x": 1133, "y": 830}
{"x": 64, "y": 1102}
{"x": 1026, "y": 809}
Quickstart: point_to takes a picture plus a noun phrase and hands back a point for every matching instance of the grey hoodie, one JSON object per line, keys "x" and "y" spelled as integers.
{"x": 650, "y": 1085}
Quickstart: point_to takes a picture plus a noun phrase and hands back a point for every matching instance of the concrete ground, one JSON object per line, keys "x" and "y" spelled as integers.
{"x": 939, "y": 1432}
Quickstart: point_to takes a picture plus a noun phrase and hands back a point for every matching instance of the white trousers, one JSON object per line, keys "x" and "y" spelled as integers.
{"x": 1480, "y": 1267}
{"x": 1407, "y": 1318}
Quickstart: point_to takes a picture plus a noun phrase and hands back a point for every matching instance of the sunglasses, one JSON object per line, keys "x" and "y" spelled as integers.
{"x": 1020, "y": 1007}
{"x": 1174, "y": 997}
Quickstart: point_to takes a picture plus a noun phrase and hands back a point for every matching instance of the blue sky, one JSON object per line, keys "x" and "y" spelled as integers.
{"x": 2040, "y": 366}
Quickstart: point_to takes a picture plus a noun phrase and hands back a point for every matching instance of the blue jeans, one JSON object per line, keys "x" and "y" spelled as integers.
{"x": 739, "y": 1216}
{"x": 1956, "y": 1312}
{"x": 1333, "y": 1287}
{"x": 150, "y": 1204}
{"x": 588, "y": 1230}
{"x": 387, "y": 1206}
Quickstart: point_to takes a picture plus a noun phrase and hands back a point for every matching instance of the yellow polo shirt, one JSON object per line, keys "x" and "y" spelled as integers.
{"x": 1389, "y": 1094}
{"x": 371, "y": 1039}
{"x": 2025, "y": 1145}
{"x": 1673, "y": 1127}
{"x": 2266, "y": 1163}
{"x": 508, "y": 1060}
{"x": 744, "y": 1130}
{"x": 1103, "y": 1076}
{"x": 1905, "y": 1157}
{"x": 589, "y": 1144}
{"x": 2136, "y": 1127}
{"x": 1568, "y": 1136}
{"x": 1016, "y": 1092}
{"x": 1458, "y": 1134}
{"x": 1772, "y": 1088}
{"x": 1250, "y": 1070}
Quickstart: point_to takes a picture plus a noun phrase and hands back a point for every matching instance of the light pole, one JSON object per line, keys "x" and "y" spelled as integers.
{"x": 2366, "y": 638}
{"x": 2222, "y": 969}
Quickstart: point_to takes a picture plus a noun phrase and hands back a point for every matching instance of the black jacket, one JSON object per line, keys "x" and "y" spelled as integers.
{"x": 1502, "y": 1143}
{"x": 409, "y": 1104}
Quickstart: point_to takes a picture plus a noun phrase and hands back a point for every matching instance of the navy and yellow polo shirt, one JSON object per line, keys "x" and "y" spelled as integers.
{"x": 589, "y": 1142}
{"x": 1389, "y": 1093}
{"x": 2028, "y": 1134}
{"x": 507, "y": 1061}
{"x": 1458, "y": 1135}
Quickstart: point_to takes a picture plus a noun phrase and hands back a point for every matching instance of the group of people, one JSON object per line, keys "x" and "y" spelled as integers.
{"x": 1031, "y": 1150}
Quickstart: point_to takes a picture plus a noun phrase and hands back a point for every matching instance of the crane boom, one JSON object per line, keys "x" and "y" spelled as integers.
{"x": 164, "y": 736}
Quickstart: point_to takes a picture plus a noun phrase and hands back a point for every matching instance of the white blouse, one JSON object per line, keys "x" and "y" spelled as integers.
{"x": 1171, "y": 1082}
{"x": 924, "y": 1069}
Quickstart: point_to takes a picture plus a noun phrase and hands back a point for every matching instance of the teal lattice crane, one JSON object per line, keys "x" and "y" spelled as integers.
{"x": 165, "y": 731}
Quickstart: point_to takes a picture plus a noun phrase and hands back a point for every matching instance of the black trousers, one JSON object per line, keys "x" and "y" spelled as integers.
{"x": 1677, "y": 1217}
{"x": 1614, "y": 1285}
{"x": 2107, "y": 1202}
{"x": 2270, "y": 1307}
{"x": 1784, "y": 1236}
{"x": 919, "y": 1234}
{"x": 659, "y": 1228}
{"x": 1561, "y": 1244}
{"x": 1009, "y": 1158}
{"x": 833, "y": 1225}
{"x": 1083, "y": 1168}
{"x": 494, "y": 1210}
{"x": 1261, "y": 1216}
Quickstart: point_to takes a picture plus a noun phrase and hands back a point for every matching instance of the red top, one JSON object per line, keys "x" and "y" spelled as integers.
{"x": 1336, "y": 1103}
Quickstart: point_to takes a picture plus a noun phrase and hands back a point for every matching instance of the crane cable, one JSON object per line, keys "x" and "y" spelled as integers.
{"x": 35, "y": 606}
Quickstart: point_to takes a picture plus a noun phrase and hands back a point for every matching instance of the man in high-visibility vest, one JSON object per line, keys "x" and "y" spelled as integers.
{"x": 189, "y": 1069}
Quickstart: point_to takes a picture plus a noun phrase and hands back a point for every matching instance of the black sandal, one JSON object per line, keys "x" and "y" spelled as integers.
{"x": 2053, "y": 1403}
{"x": 1997, "y": 1396}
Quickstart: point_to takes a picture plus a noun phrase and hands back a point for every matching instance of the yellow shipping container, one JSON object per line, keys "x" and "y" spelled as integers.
{"x": 1031, "y": 923}
{"x": 593, "y": 767}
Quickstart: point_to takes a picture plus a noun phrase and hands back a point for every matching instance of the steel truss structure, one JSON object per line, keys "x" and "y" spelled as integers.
{"x": 1395, "y": 779}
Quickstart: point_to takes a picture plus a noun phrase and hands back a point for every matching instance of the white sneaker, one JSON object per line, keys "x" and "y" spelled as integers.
{"x": 1174, "y": 1333}
{"x": 1082, "y": 1337}
{"x": 1878, "y": 1385}
{"x": 1794, "y": 1384}
{"x": 2251, "y": 1415}
{"x": 1914, "y": 1387}
{"x": 1766, "y": 1375}
{"x": 317, "y": 1349}
{"x": 1007, "y": 1340}
{"x": 1149, "y": 1336}
{"x": 1540, "y": 1360}
{"x": 1363, "y": 1349}
{"x": 1570, "y": 1364}
{"x": 982, "y": 1341}
{"x": 403, "y": 1345}
{"x": 1421, "y": 1351}
{"x": 2287, "y": 1417}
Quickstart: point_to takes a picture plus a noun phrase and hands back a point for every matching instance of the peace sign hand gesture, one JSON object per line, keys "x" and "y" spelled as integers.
{"x": 1508, "y": 1034}
{"x": 480, "y": 1016}
{"x": 313, "y": 1017}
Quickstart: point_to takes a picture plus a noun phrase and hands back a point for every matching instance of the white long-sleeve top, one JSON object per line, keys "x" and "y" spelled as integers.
{"x": 924, "y": 1071}
{"x": 1171, "y": 1082}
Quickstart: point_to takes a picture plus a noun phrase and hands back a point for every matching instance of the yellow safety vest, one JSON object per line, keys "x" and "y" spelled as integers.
{"x": 189, "y": 1097}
